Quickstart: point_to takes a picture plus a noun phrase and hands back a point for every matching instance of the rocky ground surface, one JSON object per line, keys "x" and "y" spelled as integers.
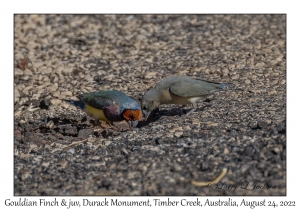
{"x": 59, "y": 151}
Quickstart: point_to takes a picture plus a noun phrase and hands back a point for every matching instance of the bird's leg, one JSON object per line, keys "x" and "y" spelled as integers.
{"x": 192, "y": 110}
{"x": 195, "y": 107}
{"x": 209, "y": 98}
{"x": 182, "y": 108}
{"x": 106, "y": 126}
{"x": 109, "y": 125}
{"x": 102, "y": 125}
{"x": 114, "y": 126}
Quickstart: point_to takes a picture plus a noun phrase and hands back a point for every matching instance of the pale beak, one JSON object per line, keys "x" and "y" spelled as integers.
{"x": 133, "y": 124}
{"x": 147, "y": 114}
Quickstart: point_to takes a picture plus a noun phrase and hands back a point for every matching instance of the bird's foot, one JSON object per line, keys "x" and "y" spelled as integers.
{"x": 115, "y": 127}
{"x": 101, "y": 130}
{"x": 105, "y": 125}
{"x": 209, "y": 98}
{"x": 189, "y": 112}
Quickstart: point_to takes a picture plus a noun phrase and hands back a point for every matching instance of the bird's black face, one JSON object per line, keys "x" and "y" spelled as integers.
{"x": 131, "y": 117}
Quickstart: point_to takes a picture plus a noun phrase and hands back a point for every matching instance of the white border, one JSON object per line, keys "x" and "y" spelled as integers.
{"x": 153, "y": 6}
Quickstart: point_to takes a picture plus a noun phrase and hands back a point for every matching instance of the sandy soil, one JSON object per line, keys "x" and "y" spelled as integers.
{"x": 59, "y": 151}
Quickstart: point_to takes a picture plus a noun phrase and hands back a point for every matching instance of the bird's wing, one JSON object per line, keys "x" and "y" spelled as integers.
{"x": 96, "y": 100}
{"x": 191, "y": 88}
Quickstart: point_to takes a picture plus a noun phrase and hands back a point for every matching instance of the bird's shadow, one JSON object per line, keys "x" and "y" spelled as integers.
{"x": 156, "y": 114}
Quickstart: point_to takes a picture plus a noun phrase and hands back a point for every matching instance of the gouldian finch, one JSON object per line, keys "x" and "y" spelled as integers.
{"x": 110, "y": 106}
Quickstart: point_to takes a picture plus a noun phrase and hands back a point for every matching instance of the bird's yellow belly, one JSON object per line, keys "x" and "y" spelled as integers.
{"x": 97, "y": 114}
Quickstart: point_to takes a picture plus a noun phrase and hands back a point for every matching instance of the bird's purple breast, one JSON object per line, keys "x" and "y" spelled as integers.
{"x": 112, "y": 113}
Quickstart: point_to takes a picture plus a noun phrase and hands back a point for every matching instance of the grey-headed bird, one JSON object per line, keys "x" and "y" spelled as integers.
{"x": 179, "y": 90}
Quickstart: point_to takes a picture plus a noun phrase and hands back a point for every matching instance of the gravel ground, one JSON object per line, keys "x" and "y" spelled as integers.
{"x": 59, "y": 151}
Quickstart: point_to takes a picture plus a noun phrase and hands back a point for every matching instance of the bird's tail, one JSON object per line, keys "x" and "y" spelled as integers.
{"x": 229, "y": 86}
{"x": 225, "y": 85}
{"x": 80, "y": 104}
